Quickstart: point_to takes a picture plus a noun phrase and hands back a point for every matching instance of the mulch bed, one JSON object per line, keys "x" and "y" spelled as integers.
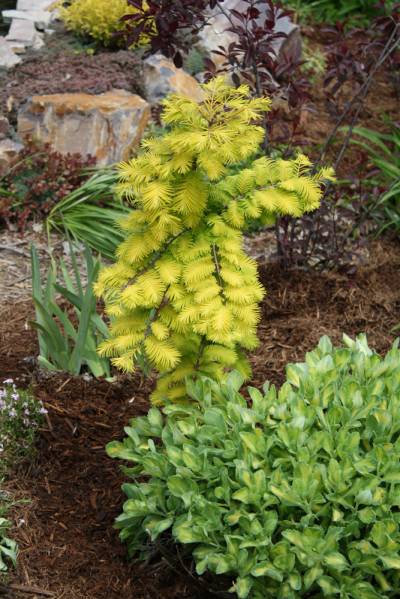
{"x": 68, "y": 544}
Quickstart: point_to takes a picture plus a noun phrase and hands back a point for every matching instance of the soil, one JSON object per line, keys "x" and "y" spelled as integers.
{"x": 68, "y": 545}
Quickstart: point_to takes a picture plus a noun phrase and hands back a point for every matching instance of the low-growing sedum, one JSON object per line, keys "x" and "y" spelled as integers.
{"x": 294, "y": 494}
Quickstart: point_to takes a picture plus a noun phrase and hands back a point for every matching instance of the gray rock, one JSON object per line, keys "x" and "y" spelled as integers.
{"x": 17, "y": 47}
{"x": 161, "y": 77}
{"x": 39, "y": 41}
{"x": 41, "y": 18}
{"x": 34, "y": 4}
{"x": 8, "y": 58}
{"x": 292, "y": 44}
{"x": 4, "y": 127}
{"x": 9, "y": 151}
{"x": 22, "y": 31}
{"x": 106, "y": 126}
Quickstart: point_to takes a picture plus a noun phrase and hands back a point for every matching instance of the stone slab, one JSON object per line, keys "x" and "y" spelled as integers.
{"x": 40, "y": 18}
{"x": 23, "y": 31}
{"x": 8, "y": 58}
{"x": 34, "y": 4}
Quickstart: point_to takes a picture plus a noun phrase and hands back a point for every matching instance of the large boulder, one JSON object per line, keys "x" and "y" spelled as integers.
{"x": 106, "y": 126}
{"x": 162, "y": 77}
{"x": 216, "y": 31}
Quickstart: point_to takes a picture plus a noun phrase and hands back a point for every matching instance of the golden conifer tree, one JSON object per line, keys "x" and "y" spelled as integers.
{"x": 183, "y": 295}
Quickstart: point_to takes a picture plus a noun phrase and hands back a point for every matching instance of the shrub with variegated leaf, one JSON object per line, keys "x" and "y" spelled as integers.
{"x": 183, "y": 294}
{"x": 295, "y": 494}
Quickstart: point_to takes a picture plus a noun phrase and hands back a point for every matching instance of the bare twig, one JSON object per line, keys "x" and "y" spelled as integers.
{"x": 30, "y": 590}
{"x": 360, "y": 96}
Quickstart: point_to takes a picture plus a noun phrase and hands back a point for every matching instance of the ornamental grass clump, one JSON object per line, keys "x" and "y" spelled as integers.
{"x": 183, "y": 295}
{"x": 294, "y": 494}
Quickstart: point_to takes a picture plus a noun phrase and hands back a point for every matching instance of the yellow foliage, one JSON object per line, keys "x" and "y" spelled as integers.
{"x": 183, "y": 294}
{"x": 98, "y": 19}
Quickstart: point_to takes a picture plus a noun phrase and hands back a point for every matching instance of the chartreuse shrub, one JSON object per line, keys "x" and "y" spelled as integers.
{"x": 294, "y": 494}
{"x": 97, "y": 19}
{"x": 183, "y": 294}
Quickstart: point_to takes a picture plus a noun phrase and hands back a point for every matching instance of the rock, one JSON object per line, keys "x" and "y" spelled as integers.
{"x": 4, "y": 127}
{"x": 216, "y": 34}
{"x": 34, "y": 4}
{"x": 41, "y": 18}
{"x": 8, "y": 58}
{"x": 292, "y": 43}
{"x": 17, "y": 47}
{"x": 9, "y": 151}
{"x": 162, "y": 77}
{"x": 22, "y": 31}
{"x": 39, "y": 41}
{"x": 106, "y": 126}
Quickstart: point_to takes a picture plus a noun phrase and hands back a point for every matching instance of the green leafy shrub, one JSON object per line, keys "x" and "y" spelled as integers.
{"x": 63, "y": 344}
{"x": 183, "y": 294}
{"x": 295, "y": 494}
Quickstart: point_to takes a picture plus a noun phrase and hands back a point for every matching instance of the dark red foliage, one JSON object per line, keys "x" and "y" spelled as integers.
{"x": 353, "y": 54}
{"x": 38, "y": 180}
{"x": 254, "y": 56}
{"x": 168, "y": 24}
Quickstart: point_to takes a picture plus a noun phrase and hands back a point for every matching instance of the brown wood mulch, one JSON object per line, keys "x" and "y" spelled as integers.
{"x": 68, "y": 545}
